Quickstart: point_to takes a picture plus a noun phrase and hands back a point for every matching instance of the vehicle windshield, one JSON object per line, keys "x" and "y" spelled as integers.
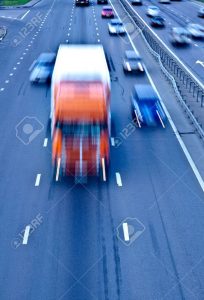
{"x": 81, "y": 130}
{"x": 118, "y": 23}
{"x": 153, "y": 8}
{"x": 149, "y": 103}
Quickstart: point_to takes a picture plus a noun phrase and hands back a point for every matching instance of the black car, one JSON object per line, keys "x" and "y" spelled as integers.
{"x": 158, "y": 21}
{"x": 201, "y": 12}
{"x": 136, "y": 2}
{"x": 81, "y": 2}
{"x": 102, "y": 1}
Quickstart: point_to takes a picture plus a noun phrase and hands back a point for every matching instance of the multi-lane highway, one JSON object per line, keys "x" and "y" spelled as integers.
{"x": 178, "y": 14}
{"x": 139, "y": 235}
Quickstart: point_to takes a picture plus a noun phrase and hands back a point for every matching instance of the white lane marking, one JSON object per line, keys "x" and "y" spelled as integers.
{"x": 172, "y": 53}
{"x": 125, "y": 232}
{"x": 58, "y": 169}
{"x": 181, "y": 143}
{"x": 45, "y": 142}
{"x": 160, "y": 119}
{"x": 11, "y": 74}
{"x": 18, "y": 63}
{"x": 37, "y": 181}
{"x": 26, "y": 235}
{"x": 25, "y": 15}
{"x": 103, "y": 169}
{"x": 2, "y": 89}
{"x": 32, "y": 65}
{"x": 112, "y": 142}
{"x": 173, "y": 126}
{"x": 118, "y": 179}
{"x": 138, "y": 121}
{"x": 7, "y": 81}
{"x": 14, "y": 68}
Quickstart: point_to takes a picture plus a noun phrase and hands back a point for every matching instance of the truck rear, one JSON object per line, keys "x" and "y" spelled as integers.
{"x": 80, "y": 112}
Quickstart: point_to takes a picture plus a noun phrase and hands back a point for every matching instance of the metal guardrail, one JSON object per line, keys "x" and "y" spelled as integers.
{"x": 187, "y": 87}
{"x": 183, "y": 77}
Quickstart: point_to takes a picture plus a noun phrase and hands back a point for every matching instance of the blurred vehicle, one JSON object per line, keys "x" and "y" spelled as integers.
{"x": 42, "y": 68}
{"x": 136, "y": 2}
{"x": 116, "y": 27}
{"x": 180, "y": 36}
{"x": 196, "y": 30}
{"x": 107, "y": 12}
{"x": 146, "y": 106}
{"x": 201, "y": 12}
{"x": 80, "y": 111}
{"x": 102, "y": 1}
{"x": 157, "y": 21}
{"x": 132, "y": 62}
{"x": 81, "y": 2}
{"x": 152, "y": 11}
{"x": 165, "y": 1}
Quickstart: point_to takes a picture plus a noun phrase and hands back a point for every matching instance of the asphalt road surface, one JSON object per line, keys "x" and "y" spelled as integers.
{"x": 75, "y": 246}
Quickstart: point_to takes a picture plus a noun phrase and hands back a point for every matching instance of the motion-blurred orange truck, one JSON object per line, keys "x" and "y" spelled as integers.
{"x": 80, "y": 112}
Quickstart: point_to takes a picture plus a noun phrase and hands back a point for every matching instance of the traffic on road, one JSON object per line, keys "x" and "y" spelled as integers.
{"x": 102, "y": 179}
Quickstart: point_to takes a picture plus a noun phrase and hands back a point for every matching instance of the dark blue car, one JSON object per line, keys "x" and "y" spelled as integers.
{"x": 146, "y": 106}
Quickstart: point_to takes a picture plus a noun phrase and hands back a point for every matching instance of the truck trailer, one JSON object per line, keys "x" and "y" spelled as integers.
{"x": 80, "y": 112}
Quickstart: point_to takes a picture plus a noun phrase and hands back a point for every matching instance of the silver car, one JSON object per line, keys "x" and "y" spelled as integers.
{"x": 116, "y": 27}
{"x": 180, "y": 36}
{"x": 152, "y": 11}
{"x": 132, "y": 62}
{"x": 42, "y": 68}
{"x": 196, "y": 30}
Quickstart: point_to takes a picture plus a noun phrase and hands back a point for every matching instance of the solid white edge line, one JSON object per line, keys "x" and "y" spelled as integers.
{"x": 103, "y": 169}
{"x": 183, "y": 146}
{"x": 37, "y": 181}
{"x": 125, "y": 232}
{"x": 118, "y": 179}
{"x": 45, "y": 142}
{"x": 58, "y": 169}
{"x": 26, "y": 235}
{"x": 173, "y": 126}
{"x": 25, "y": 15}
{"x": 175, "y": 56}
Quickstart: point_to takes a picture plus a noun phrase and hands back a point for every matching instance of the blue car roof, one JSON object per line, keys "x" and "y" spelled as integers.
{"x": 145, "y": 92}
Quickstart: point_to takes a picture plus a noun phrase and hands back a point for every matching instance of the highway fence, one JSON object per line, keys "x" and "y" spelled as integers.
{"x": 189, "y": 88}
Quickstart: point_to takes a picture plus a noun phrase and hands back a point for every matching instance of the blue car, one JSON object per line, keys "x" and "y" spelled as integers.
{"x": 146, "y": 106}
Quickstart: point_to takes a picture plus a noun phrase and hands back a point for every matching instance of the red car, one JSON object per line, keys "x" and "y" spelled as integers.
{"x": 107, "y": 12}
